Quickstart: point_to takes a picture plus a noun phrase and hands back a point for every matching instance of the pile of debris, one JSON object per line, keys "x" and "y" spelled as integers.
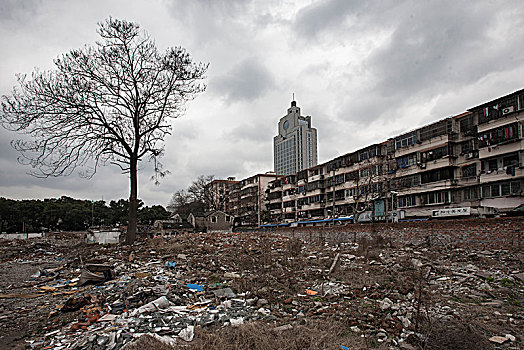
{"x": 63, "y": 293}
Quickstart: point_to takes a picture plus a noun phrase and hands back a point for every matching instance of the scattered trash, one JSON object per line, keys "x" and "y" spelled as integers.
{"x": 142, "y": 275}
{"x": 195, "y": 287}
{"x": 107, "y": 317}
{"x": 311, "y": 292}
{"x": 235, "y": 322}
{"x": 96, "y": 274}
{"x": 499, "y": 340}
{"x": 187, "y": 333}
{"x": 283, "y": 328}
{"x": 75, "y": 303}
{"x": 231, "y": 275}
{"x": 160, "y": 303}
{"x": 224, "y": 293}
{"x": 171, "y": 264}
{"x": 103, "y": 237}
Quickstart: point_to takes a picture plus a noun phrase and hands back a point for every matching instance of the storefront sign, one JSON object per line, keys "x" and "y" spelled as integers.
{"x": 452, "y": 212}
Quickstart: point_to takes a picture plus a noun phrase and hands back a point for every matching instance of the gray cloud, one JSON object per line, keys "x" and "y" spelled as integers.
{"x": 211, "y": 20}
{"x": 430, "y": 48}
{"x": 255, "y": 131}
{"x": 324, "y": 16}
{"x": 247, "y": 81}
{"x": 436, "y": 47}
{"x": 19, "y": 11}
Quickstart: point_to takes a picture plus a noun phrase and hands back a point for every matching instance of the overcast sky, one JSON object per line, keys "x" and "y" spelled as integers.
{"x": 364, "y": 71}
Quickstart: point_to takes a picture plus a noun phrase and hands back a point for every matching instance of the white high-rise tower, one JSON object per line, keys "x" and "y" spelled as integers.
{"x": 295, "y": 146}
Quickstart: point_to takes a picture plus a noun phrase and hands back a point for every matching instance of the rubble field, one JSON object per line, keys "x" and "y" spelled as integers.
{"x": 257, "y": 290}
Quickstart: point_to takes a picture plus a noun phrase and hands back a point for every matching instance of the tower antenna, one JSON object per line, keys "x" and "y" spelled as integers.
{"x": 293, "y": 96}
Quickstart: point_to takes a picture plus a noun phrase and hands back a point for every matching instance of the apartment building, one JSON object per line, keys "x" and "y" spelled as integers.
{"x": 469, "y": 164}
{"x": 339, "y": 188}
{"x": 247, "y": 200}
{"x": 500, "y": 138}
{"x": 218, "y": 193}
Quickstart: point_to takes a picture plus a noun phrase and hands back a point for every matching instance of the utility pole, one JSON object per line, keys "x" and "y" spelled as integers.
{"x": 259, "y": 200}
{"x": 333, "y": 210}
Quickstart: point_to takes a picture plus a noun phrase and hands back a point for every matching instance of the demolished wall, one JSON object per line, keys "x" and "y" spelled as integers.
{"x": 500, "y": 233}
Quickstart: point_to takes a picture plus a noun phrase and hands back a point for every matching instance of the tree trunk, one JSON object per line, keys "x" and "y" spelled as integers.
{"x": 133, "y": 203}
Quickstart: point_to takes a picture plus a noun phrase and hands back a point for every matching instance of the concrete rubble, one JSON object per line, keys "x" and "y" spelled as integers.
{"x": 173, "y": 289}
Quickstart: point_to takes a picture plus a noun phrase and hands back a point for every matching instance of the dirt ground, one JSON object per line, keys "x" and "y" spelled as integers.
{"x": 297, "y": 293}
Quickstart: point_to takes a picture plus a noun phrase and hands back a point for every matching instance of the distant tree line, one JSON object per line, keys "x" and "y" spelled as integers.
{"x": 69, "y": 214}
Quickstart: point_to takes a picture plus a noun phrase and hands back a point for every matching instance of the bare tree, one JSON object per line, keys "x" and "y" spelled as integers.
{"x": 200, "y": 191}
{"x": 366, "y": 190}
{"x": 108, "y": 103}
{"x": 179, "y": 199}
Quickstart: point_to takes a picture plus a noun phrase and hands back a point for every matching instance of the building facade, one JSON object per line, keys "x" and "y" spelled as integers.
{"x": 218, "y": 194}
{"x": 469, "y": 164}
{"x": 247, "y": 200}
{"x": 295, "y": 146}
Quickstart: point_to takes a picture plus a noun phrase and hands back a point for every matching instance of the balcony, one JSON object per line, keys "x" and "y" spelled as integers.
{"x": 420, "y": 146}
{"x": 500, "y": 149}
{"x": 316, "y": 191}
{"x": 253, "y": 184}
{"x": 275, "y": 200}
{"x": 315, "y": 178}
{"x": 430, "y": 186}
{"x": 408, "y": 170}
{"x": 439, "y": 163}
{"x": 500, "y": 174}
{"x": 468, "y": 181}
{"x": 288, "y": 186}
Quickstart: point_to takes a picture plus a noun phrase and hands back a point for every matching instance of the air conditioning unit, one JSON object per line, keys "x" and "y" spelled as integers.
{"x": 508, "y": 110}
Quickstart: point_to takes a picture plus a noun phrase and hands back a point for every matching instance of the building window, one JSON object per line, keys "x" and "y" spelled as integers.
{"x": 436, "y": 175}
{"x": 433, "y": 154}
{"x": 468, "y": 146}
{"x": 516, "y": 188}
{"x": 498, "y": 110}
{"x": 440, "y": 197}
{"x": 405, "y": 140}
{"x": 507, "y": 188}
{"x": 471, "y": 193}
{"x": 469, "y": 170}
{"x": 407, "y": 160}
{"x": 407, "y": 201}
{"x": 499, "y": 135}
{"x": 406, "y": 181}
{"x": 213, "y": 219}
{"x": 486, "y": 191}
{"x": 495, "y": 190}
